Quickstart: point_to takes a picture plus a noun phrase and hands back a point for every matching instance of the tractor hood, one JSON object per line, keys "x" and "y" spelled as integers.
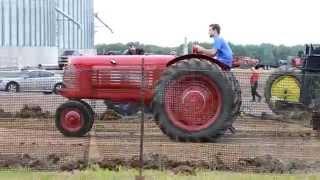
{"x": 124, "y": 60}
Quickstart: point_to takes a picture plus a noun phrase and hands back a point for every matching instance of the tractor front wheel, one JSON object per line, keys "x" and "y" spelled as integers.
{"x": 74, "y": 119}
{"x": 91, "y": 112}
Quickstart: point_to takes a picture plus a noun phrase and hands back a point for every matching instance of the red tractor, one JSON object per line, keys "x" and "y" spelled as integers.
{"x": 244, "y": 62}
{"x": 193, "y": 97}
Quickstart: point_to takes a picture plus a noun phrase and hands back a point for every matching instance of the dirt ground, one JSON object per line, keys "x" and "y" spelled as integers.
{"x": 258, "y": 145}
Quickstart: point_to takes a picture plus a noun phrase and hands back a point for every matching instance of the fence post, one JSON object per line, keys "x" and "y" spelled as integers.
{"x": 316, "y": 121}
{"x": 140, "y": 177}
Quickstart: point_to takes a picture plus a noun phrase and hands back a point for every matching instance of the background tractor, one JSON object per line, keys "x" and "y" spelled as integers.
{"x": 296, "y": 90}
{"x": 192, "y": 97}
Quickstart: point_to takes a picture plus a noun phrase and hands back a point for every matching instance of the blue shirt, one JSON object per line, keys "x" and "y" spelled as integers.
{"x": 224, "y": 52}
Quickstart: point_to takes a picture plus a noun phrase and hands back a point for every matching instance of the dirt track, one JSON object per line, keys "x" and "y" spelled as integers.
{"x": 120, "y": 139}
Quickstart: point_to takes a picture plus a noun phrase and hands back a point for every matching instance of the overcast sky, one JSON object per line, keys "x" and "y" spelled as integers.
{"x": 167, "y": 22}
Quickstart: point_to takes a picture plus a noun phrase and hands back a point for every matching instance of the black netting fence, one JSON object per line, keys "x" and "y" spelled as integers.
{"x": 206, "y": 119}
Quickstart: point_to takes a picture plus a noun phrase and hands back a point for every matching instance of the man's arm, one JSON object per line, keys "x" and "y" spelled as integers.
{"x": 208, "y": 52}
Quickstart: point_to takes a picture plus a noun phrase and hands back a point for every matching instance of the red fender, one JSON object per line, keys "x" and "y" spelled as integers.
{"x": 199, "y": 56}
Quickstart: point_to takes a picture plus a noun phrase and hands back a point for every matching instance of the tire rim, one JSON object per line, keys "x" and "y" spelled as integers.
{"x": 193, "y": 102}
{"x": 12, "y": 88}
{"x": 285, "y": 88}
{"x": 58, "y": 88}
{"x": 71, "y": 120}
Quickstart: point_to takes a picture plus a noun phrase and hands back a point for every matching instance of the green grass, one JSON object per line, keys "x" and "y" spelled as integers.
{"x": 150, "y": 175}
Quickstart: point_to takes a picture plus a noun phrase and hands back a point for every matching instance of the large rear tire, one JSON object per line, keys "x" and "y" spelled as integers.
{"x": 237, "y": 94}
{"x": 281, "y": 91}
{"x": 195, "y": 101}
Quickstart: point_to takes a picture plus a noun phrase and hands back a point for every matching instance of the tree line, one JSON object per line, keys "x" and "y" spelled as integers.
{"x": 266, "y": 53}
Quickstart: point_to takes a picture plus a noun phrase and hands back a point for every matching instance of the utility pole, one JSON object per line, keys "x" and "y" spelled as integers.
{"x": 102, "y": 22}
{"x": 185, "y": 47}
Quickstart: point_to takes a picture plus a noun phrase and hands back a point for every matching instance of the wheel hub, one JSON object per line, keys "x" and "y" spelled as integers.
{"x": 12, "y": 88}
{"x": 71, "y": 121}
{"x": 194, "y": 100}
{"x": 285, "y": 88}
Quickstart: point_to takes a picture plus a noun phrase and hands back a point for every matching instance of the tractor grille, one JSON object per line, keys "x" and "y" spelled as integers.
{"x": 130, "y": 78}
{"x": 69, "y": 78}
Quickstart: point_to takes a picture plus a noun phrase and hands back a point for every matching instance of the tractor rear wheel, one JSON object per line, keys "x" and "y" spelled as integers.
{"x": 236, "y": 89}
{"x": 74, "y": 119}
{"x": 282, "y": 91}
{"x": 195, "y": 101}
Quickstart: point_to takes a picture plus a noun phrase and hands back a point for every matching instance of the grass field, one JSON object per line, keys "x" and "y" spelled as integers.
{"x": 149, "y": 175}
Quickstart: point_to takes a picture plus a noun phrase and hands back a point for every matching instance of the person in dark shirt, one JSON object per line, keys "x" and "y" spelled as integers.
{"x": 133, "y": 50}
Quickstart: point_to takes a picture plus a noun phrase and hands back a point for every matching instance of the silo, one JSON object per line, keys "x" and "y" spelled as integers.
{"x": 36, "y": 31}
{"x": 75, "y": 24}
{"x": 27, "y": 23}
{"x": 27, "y": 32}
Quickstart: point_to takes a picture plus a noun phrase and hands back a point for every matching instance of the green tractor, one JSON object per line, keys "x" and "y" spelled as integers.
{"x": 293, "y": 93}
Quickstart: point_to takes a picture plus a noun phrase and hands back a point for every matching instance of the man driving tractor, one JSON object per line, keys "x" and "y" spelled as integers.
{"x": 220, "y": 48}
